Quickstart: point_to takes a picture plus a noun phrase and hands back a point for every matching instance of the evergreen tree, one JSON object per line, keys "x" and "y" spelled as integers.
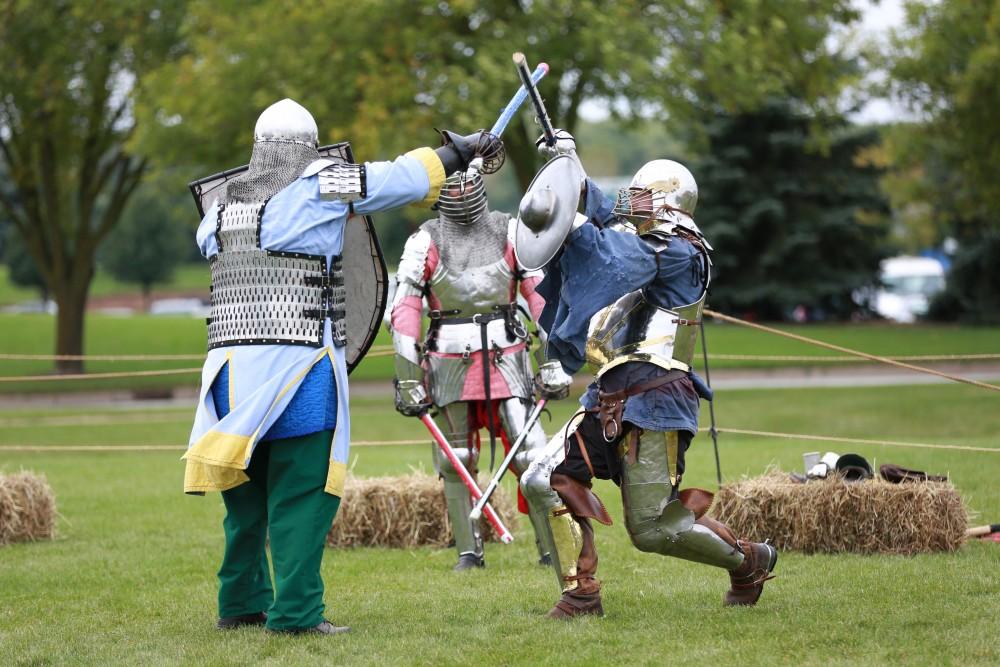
{"x": 791, "y": 225}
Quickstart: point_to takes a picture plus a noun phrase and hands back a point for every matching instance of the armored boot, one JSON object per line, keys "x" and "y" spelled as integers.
{"x": 747, "y": 580}
{"x": 583, "y": 595}
{"x": 469, "y": 562}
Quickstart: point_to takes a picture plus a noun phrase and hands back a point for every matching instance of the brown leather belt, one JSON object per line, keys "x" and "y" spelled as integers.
{"x": 612, "y": 404}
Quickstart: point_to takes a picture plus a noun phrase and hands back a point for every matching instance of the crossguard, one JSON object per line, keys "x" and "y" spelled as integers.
{"x": 491, "y": 152}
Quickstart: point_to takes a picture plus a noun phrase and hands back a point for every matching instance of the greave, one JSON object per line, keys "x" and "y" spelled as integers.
{"x": 467, "y": 537}
{"x": 656, "y": 518}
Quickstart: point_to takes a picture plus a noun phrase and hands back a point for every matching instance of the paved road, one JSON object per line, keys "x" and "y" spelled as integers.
{"x": 777, "y": 378}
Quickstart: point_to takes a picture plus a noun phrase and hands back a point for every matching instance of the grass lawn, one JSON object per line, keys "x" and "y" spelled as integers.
{"x": 130, "y": 580}
{"x": 163, "y": 335}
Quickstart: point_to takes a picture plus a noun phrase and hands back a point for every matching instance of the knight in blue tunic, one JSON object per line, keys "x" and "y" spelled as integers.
{"x": 272, "y": 429}
{"x": 625, "y": 294}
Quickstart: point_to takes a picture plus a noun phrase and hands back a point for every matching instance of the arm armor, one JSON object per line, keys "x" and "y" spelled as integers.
{"x": 407, "y": 306}
{"x": 343, "y": 182}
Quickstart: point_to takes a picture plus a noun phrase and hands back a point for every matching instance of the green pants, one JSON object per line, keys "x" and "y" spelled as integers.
{"x": 285, "y": 500}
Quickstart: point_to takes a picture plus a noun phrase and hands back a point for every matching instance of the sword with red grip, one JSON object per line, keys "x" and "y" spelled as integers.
{"x": 467, "y": 479}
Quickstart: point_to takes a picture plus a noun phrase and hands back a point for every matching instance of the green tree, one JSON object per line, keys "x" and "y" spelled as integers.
{"x": 790, "y": 225}
{"x": 21, "y": 269}
{"x": 147, "y": 245}
{"x": 945, "y": 65}
{"x": 70, "y": 71}
{"x": 382, "y": 73}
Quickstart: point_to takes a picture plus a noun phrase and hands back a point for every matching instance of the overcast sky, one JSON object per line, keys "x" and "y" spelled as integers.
{"x": 878, "y": 17}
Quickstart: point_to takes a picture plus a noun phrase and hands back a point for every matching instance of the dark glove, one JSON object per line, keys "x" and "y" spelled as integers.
{"x": 411, "y": 398}
{"x": 457, "y": 151}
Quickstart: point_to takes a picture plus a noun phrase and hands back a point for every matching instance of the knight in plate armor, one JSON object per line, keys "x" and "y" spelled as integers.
{"x": 473, "y": 365}
{"x": 625, "y": 294}
{"x": 272, "y": 430}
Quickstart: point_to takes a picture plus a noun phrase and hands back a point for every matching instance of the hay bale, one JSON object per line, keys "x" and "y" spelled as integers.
{"x": 27, "y": 508}
{"x": 403, "y": 512}
{"x": 834, "y": 516}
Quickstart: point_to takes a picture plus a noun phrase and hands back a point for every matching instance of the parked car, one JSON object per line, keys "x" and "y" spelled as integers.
{"x": 907, "y": 286}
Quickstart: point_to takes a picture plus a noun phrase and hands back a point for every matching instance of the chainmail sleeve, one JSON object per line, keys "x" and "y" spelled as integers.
{"x": 407, "y": 304}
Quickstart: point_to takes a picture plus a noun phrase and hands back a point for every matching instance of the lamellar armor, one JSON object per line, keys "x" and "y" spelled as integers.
{"x": 262, "y": 296}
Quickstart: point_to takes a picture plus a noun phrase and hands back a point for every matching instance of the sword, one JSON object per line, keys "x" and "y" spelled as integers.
{"x": 515, "y": 102}
{"x": 536, "y": 98}
{"x": 477, "y": 510}
{"x": 711, "y": 405}
{"x": 470, "y": 483}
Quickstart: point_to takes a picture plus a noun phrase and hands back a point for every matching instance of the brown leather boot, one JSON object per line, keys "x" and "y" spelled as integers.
{"x": 585, "y": 599}
{"x": 747, "y": 581}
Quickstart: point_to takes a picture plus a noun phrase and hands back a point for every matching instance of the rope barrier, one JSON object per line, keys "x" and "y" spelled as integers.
{"x": 847, "y": 350}
{"x": 387, "y": 350}
{"x": 172, "y": 448}
{"x": 855, "y": 441}
{"x": 824, "y": 358}
{"x": 97, "y": 420}
{"x": 377, "y": 349}
{"x": 102, "y": 357}
{"x": 98, "y": 376}
{"x": 380, "y": 443}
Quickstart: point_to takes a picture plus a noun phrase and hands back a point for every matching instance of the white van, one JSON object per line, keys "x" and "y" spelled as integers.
{"x": 908, "y": 285}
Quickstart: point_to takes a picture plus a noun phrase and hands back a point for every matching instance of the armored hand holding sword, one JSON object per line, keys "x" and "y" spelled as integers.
{"x": 624, "y": 290}
{"x": 298, "y": 286}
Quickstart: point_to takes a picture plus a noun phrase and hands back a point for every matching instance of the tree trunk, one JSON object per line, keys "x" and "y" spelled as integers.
{"x": 72, "y": 302}
{"x": 521, "y": 153}
{"x": 147, "y": 297}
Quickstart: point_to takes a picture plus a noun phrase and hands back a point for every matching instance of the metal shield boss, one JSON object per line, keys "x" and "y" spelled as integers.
{"x": 547, "y": 210}
{"x": 365, "y": 276}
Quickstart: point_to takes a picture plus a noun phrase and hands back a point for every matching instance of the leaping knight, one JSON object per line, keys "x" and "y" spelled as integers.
{"x": 474, "y": 361}
{"x": 626, "y": 294}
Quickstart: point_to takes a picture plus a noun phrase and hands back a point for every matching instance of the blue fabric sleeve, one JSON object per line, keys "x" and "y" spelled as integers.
{"x": 206, "y": 232}
{"x": 597, "y": 267}
{"x": 393, "y": 184}
{"x": 598, "y": 208}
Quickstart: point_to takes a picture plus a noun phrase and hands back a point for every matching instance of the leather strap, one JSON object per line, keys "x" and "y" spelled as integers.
{"x": 579, "y": 499}
{"x": 612, "y": 404}
{"x": 583, "y": 452}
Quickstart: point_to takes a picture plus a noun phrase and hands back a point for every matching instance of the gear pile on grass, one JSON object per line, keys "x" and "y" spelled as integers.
{"x": 403, "y": 512}
{"x": 834, "y": 516}
{"x": 27, "y": 508}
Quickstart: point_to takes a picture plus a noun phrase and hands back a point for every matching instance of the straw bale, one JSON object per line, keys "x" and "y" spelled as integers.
{"x": 834, "y": 516}
{"x": 403, "y": 512}
{"x": 27, "y": 508}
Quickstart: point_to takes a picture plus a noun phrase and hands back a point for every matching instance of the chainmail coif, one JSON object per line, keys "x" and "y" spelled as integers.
{"x": 471, "y": 245}
{"x": 273, "y": 167}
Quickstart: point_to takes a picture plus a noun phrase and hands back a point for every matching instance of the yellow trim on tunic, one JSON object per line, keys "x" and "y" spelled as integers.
{"x": 435, "y": 172}
{"x": 335, "y": 477}
{"x": 217, "y": 461}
